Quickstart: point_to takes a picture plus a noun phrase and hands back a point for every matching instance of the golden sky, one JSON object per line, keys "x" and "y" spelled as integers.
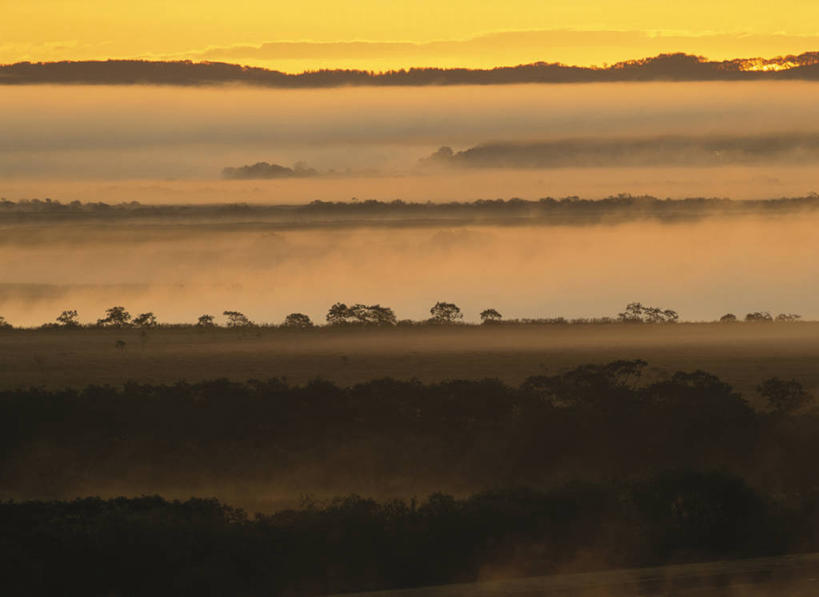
{"x": 293, "y": 36}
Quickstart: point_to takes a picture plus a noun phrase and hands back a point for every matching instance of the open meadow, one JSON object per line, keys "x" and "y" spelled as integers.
{"x": 743, "y": 354}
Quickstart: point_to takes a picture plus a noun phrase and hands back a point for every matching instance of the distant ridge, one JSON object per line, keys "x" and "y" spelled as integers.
{"x": 665, "y": 67}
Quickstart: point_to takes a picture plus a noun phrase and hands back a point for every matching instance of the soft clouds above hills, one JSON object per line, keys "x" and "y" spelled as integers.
{"x": 583, "y": 48}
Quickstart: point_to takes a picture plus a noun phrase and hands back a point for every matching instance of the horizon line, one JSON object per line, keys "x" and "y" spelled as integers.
{"x": 662, "y": 66}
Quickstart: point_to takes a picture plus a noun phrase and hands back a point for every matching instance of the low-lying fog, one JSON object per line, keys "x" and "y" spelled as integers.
{"x": 166, "y": 144}
{"x": 178, "y": 271}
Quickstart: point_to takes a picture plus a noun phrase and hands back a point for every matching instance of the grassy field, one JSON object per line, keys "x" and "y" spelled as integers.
{"x": 742, "y": 354}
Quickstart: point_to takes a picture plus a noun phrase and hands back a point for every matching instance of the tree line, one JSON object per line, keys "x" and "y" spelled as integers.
{"x": 664, "y": 67}
{"x": 153, "y": 546}
{"x": 590, "y": 423}
{"x": 340, "y": 314}
{"x": 566, "y": 209}
{"x": 595, "y": 420}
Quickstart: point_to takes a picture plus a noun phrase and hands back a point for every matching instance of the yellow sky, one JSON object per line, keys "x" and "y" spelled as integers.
{"x": 251, "y": 31}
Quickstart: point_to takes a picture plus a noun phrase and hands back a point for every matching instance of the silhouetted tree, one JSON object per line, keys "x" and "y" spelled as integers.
{"x": 728, "y": 318}
{"x": 205, "y": 321}
{"x": 762, "y": 316}
{"x": 383, "y": 315}
{"x": 235, "y": 319}
{"x": 490, "y": 316}
{"x": 339, "y": 314}
{"x": 788, "y": 317}
{"x": 145, "y": 320}
{"x": 297, "y": 320}
{"x": 68, "y": 318}
{"x": 373, "y": 315}
{"x": 632, "y": 314}
{"x": 445, "y": 313}
{"x": 784, "y": 396}
{"x": 638, "y": 313}
{"x": 4, "y": 324}
{"x": 115, "y": 317}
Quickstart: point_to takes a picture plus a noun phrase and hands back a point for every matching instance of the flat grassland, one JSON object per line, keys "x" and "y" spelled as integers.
{"x": 742, "y": 354}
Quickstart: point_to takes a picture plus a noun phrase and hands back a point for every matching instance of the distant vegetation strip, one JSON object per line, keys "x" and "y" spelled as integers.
{"x": 340, "y": 315}
{"x": 152, "y": 546}
{"x": 548, "y": 210}
{"x": 593, "y": 422}
{"x": 713, "y": 150}
{"x": 616, "y": 419}
{"x": 664, "y": 67}
{"x": 635, "y": 151}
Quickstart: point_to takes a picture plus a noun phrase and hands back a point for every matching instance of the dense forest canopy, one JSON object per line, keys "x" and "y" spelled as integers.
{"x": 662, "y": 440}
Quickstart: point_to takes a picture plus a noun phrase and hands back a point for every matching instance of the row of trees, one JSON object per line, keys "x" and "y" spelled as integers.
{"x": 442, "y": 313}
{"x": 761, "y": 316}
{"x": 143, "y": 545}
{"x": 619, "y": 421}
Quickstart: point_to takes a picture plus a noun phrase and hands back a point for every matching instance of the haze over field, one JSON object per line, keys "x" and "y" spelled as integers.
{"x": 181, "y": 270}
{"x": 162, "y": 144}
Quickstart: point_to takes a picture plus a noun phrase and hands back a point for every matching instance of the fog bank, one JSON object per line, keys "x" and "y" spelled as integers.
{"x": 99, "y": 132}
{"x": 701, "y": 269}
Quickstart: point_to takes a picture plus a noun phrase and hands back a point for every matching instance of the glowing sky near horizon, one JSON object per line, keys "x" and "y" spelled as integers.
{"x": 316, "y": 33}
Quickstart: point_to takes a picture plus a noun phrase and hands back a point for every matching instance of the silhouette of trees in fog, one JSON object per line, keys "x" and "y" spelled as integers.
{"x": 4, "y": 324}
{"x": 639, "y": 313}
{"x": 236, "y": 319}
{"x": 68, "y": 318}
{"x": 205, "y": 321}
{"x": 341, "y": 314}
{"x": 115, "y": 317}
{"x": 490, "y": 316}
{"x": 445, "y": 313}
{"x": 298, "y": 320}
{"x": 759, "y": 316}
{"x": 145, "y": 320}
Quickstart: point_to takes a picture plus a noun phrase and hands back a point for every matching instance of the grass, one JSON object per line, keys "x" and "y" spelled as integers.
{"x": 742, "y": 354}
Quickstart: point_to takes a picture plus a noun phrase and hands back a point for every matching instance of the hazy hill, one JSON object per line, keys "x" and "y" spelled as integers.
{"x": 665, "y": 67}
